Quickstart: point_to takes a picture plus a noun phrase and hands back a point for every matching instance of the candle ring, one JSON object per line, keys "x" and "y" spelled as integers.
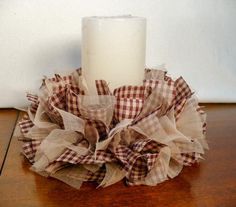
{"x": 142, "y": 134}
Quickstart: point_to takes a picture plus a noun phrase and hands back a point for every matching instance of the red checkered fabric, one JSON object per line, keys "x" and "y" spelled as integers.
{"x": 151, "y": 83}
{"x": 72, "y": 101}
{"x": 133, "y": 92}
{"x": 97, "y": 176}
{"x": 137, "y": 163}
{"x": 25, "y": 125}
{"x": 102, "y": 87}
{"x": 151, "y": 159}
{"x": 145, "y": 146}
{"x": 100, "y": 127}
{"x": 129, "y": 101}
{"x": 182, "y": 90}
{"x": 73, "y": 158}
{"x": 188, "y": 155}
{"x": 160, "y": 99}
{"x": 178, "y": 108}
{"x": 126, "y": 156}
{"x": 29, "y": 149}
{"x": 166, "y": 90}
{"x": 149, "y": 148}
{"x": 187, "y": 159}
{"x": 126, "y": 108}
{"x": 156, "y": 175}
{"x": 34, "y": 102}
{"x": 138, "y": 170}
{"x": 58, "y": 99}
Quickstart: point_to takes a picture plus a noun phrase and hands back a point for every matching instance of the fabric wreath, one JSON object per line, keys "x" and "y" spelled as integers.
{"x": 143, "y": 134}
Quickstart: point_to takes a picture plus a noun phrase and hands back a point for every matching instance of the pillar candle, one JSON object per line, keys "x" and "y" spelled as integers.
{"x": 113, "y": 49}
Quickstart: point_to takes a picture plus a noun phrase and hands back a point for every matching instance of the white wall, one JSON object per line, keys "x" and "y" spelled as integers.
{"x": 195, "y": 38}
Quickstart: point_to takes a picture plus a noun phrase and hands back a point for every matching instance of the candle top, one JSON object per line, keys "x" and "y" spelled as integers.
{"x": 119, "y": 17}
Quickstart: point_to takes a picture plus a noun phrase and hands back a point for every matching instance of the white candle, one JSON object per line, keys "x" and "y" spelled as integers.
{"x": 113, "y": 49}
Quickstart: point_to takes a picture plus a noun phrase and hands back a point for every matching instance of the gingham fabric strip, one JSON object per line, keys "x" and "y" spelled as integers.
{"x": 72, "y": 101}
{"x": 25, "y": 125}
{"x": 102, "y": 87}
{"x": 54, "y": 145}
{"x": 133, "y": 92}
{"x": 182, "y": 90}
{"x": 160, "y": 99}
{"x": 73, "y": 157}
{"x": 29, "y": 149}
{"x": 34, "y": 102}
{"x": 143, "y": 134}
{"x": 129, "y": 101}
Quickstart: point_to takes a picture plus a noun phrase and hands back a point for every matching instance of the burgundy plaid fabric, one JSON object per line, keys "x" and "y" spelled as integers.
{"x": 182, "y": 90}
{"x": 64, "y": 97}
{"x": 34, "y": 102}
{"x": 129, "y": 101}
{"x": 58, "y": 100}
{"x": 102, "y": 87}
{"x": 151, "y": 83}
{"x": 133, "y": 92}
{"x": 97, "y": 176}
{"x": 136, "y": 160}
{"x": 187, "y": 159}
{"x": 149, "y": 148}
{"x": 29, "y": 149}
{"x": 166, "y": 90}
{"x": 25, "y": 125}
{"x": 188, "y": 155}
{"x": 182, "y": 94}
{"x": 126, "y": 108}
{"x": 100, "y": 127}
{"x": 72, "y": 101}
{"x": 145, "y": 145}
{"x": 73, "y": 158}
{"x": 126, "y": 156}
{"x": 160, "y": 99}
{"x": 178, "y": 108}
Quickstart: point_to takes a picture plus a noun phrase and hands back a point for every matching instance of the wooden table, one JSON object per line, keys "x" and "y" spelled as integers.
{"x": 212, "y": 183}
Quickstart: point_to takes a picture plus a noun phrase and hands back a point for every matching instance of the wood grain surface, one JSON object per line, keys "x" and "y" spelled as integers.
{"x": 7, "y": 123}
{"x": 210, "y": 183}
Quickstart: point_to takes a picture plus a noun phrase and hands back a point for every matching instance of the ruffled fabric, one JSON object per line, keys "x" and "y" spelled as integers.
{"x": 141, "y": 134}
